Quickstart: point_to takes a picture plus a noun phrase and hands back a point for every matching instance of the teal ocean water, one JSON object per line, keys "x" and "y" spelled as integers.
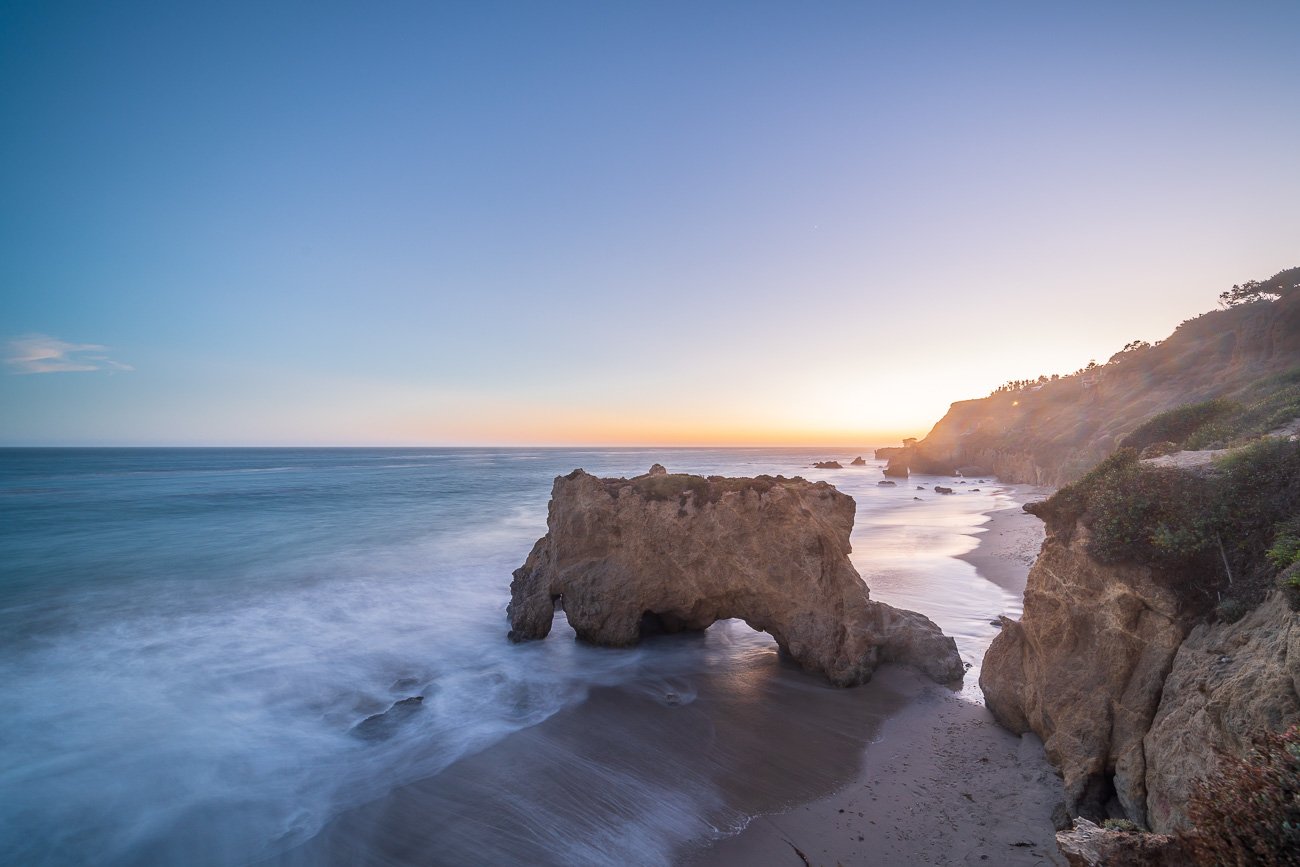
{"x": 189, "y": 636}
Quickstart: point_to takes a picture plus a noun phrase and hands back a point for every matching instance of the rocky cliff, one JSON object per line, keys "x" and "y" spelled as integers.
{"x": 1051, "y": 432}
{"x": 1229, "y": 681}
{"x": 1084, "y": 669}
{"x": 1150, "y": 641}
{"x": 671, "y": 552}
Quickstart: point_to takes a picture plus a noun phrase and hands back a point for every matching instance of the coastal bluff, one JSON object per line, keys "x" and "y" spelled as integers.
{"x": 1141, "y": 669}
{"x": 1053, "y": 430}
{"x": 672, "y": 552}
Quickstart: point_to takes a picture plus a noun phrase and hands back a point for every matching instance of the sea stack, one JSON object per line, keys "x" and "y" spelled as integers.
{"x": 672, "y": 552}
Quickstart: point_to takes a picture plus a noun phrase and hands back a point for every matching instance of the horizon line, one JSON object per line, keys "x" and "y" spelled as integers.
{"x": 442, "y": 446}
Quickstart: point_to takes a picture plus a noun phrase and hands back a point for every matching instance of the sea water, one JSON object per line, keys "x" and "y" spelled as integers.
{"x": 188, "y": 638}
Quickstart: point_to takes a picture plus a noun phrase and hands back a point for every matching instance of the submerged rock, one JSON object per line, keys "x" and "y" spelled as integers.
{"x": 680, "y": 552}
{"x": 384, "y": 725}
{"x": 887, "y": 484}
{"x": 940, "y": 489}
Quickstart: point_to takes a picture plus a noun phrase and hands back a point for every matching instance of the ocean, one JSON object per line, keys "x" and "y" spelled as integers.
{"x": 188, "y": 638}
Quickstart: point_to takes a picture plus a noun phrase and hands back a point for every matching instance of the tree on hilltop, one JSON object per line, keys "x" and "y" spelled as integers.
{"x": 1280, "y": 284}
{"x": 1129, "y": 348}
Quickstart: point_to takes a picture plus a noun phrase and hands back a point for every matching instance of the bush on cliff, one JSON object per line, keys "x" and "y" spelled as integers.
{"x": 1248, "y": 810}
{"x": 1289, "y": 583}
{"x": 1191, "y": 528}
{"x": 1266, "y": 406}
{"x": 1155, "y": 516}
{"x": 1180, "y": 423}
{"x": 1258, "y": 495}
{"x": 1286, "y": 545}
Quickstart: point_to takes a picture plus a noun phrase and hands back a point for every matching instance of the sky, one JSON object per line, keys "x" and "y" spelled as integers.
{"x": 596, "y": 223}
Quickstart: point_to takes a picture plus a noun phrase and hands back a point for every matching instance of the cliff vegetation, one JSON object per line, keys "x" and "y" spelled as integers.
{"x": 1225, "y": 532}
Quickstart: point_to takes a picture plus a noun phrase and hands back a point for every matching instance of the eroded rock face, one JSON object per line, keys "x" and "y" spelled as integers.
{"x": 680, "y": 552}
{"x": 1084, "y": 669}
{"x": 1229, "y": 681}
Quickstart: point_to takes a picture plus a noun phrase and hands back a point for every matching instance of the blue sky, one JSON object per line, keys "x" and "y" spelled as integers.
{"x": 582, "y": 223}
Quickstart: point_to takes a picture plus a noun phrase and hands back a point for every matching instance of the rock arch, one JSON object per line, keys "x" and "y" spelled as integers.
{"x": 688, "y": 551}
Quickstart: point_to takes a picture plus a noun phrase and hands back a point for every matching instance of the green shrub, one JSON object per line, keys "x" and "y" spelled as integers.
{"x": 1156, "y": 516}
{"x": 1248, "y": 810}
{"x": 1289, "y": 583}
{"x": 1180, "y": 423}
{"x": 1231, "y": 610}
{"x": 1258, "y": 489}
{"x": 1286, "y": 546}
{"x": 1192, "y": 528}
{"x": 1120, "y": 825}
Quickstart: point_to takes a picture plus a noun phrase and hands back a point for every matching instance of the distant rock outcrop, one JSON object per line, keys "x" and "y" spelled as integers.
{"x": 899, "y": 458}
{"x": 859, "y": 461}
{"x": 827, "y": 465}
{"x": 678, "y": 552}
{"x": 1054, "y": 432}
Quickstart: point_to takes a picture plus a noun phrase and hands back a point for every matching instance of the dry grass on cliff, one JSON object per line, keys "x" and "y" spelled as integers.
{"x": 1265, "y": 406}
{"x": 699, "y": 490}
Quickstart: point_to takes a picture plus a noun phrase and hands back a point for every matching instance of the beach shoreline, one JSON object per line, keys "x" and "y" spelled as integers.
{"x": 942, "y": 783}
{"x": 1009, "y": 543}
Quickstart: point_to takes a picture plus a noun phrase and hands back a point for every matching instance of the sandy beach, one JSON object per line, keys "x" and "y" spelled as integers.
{"x": 942, "y": 783}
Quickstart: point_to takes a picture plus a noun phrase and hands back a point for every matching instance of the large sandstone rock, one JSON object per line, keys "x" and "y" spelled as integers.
{"x": 1229, "y": 681}
{"x": 1084, "y": 669}
{"x": 678, "y": 552}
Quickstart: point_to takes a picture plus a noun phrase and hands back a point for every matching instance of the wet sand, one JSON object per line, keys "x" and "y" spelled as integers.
{"x": 1009, "y": 544}
{"x": 631, "y": 774}
{"x": 943, "y": 784}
